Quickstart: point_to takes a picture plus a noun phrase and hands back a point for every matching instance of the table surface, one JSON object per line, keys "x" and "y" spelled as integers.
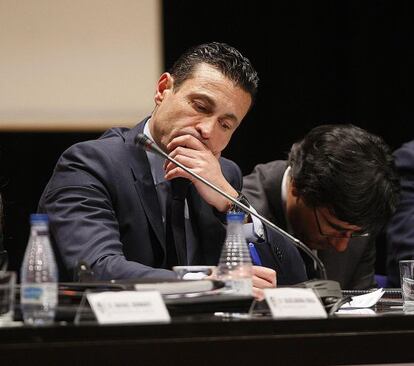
{"x": 205, "y": 338}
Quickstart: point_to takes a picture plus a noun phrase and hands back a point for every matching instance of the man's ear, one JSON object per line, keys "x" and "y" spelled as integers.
{"x": 293, "y": 189}
{"x": 165, "y": 83}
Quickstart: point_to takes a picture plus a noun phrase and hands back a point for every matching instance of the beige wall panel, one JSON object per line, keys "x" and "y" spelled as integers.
{"x": 78, "y": 64}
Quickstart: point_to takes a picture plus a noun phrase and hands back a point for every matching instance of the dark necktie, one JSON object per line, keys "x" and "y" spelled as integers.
{"x": 176, "y": 243}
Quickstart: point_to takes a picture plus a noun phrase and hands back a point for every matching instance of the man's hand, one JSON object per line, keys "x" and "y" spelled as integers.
{"x": 263, "y": 277}
{"x": 195, "y": 155}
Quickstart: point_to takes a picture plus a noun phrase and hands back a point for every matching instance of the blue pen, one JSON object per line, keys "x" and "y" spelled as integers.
{"x": 255, "y": 256}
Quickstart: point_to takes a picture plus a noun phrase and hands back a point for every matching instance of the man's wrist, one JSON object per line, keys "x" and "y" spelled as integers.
{"x": 241, "y": 198}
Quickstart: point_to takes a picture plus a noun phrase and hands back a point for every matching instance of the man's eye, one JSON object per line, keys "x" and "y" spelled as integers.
{"x": 224, "y": 125}
{"x": 200, "y": 107}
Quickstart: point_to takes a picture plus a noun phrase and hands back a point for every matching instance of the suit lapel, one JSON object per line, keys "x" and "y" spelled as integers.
{"x": 144, "y": 184}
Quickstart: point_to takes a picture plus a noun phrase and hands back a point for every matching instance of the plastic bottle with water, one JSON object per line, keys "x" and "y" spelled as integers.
{"x": 39, "y": 279}
{"x": 235, "y": 265}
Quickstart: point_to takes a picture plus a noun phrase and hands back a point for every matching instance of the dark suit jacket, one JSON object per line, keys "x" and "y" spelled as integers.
{"x": 400, "y": 230}
{"x": 103, "y": 209}
{"x": 353, "y": 269}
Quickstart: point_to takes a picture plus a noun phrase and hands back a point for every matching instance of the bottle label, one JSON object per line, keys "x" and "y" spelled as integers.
{"x": 39, "y": 294}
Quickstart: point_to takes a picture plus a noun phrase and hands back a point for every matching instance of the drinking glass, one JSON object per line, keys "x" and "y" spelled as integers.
{"x": 7, "y": 288}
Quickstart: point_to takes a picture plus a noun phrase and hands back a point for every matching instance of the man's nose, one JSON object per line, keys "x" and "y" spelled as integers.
{"x": 206, "y": 127}
{"x": 339, "y": 244}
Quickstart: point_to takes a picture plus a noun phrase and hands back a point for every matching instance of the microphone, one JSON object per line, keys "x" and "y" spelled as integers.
{"x": 146, "y": 143}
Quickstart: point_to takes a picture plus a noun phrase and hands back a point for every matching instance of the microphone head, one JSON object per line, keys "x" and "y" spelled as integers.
{"x": 143, "y": 141}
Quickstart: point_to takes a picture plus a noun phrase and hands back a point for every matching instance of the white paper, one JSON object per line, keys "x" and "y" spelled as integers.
{"x": 176, "y": 287}
{"x": 294, "y": 303}
{"x": 194, "y": 276}
{"x": 364, "y": 301}
{"x": 363, "y": 311}
{"x": 114, "y": 307}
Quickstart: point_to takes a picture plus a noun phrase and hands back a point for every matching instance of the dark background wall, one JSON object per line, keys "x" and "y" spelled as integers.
{"x": 319, "y": 62}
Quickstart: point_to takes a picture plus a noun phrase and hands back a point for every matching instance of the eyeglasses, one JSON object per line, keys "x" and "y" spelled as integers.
{"x": 338, "y": 232}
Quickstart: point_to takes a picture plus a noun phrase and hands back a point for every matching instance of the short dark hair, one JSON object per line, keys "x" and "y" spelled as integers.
{"x": 229, "y": 61}
{"x": 348, "y": 170}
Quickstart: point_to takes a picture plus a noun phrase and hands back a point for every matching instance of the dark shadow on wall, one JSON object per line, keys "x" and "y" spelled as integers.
{"x": 26, "y": 164}
{"x": 319, "y": 62}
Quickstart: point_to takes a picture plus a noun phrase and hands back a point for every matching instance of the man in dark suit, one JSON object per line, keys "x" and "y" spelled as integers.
{"x": 400, "y": 230}
{"x": 335, "y": 192}
{"x": 108, "y": 200}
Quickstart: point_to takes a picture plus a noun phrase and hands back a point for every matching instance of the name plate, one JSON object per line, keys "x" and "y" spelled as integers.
{"x": 120, "y": 307}
{"x": 294, "y": 303}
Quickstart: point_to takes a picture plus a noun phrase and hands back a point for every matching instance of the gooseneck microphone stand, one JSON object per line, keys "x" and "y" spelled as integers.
{"x": 146, "y": 143}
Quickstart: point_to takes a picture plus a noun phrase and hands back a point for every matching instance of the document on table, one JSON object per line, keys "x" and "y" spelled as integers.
{"x": 361, "y": 304}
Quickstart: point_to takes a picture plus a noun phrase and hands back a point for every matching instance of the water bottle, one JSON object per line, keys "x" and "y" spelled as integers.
{"x": 39, "y": 279}
{"x": 235, "y": 265}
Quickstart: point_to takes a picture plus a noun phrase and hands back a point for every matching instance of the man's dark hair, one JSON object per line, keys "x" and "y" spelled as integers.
{"x": 224, "y": 58}
{"x": 348, "y": 170}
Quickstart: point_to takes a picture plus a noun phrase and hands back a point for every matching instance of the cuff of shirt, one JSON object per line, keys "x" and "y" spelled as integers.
{"x": 254, "y": 230}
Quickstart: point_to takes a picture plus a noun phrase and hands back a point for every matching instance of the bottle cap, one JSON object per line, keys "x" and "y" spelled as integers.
{"x": 235, "y": 216}
{"x": 36, "y": 218}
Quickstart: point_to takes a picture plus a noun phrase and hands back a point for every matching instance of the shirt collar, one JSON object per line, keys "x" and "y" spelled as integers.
{"x": 285, "y": 182}
{"x": 156, "y": 162}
